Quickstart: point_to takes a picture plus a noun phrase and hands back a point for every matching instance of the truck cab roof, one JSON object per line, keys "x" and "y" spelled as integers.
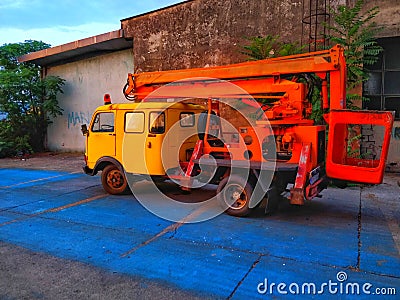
{"x": 149, "y": 105}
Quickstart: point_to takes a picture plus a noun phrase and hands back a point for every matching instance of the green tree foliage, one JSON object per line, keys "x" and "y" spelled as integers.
{"x": 27, "y": 99}
{"x": 355, "y": 30}
{"x": 269, "y": 46}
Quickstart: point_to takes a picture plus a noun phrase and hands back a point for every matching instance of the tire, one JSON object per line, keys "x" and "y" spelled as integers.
{"x": 114, "y": 181}
{"x": 234, "y": 192}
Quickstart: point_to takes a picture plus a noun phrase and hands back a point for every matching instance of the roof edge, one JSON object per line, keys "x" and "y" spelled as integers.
{"x": 108, "y": 36}
{"x": 156, "y": 10}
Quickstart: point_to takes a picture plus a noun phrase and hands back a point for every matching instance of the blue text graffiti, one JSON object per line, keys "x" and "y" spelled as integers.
{"x": 78, "y": 118}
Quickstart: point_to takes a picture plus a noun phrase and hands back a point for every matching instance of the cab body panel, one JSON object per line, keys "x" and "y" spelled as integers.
{"x": 145, "y": 138}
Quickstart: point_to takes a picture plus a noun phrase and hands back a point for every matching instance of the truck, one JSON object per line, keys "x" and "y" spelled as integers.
{"x": 174, "y": 129}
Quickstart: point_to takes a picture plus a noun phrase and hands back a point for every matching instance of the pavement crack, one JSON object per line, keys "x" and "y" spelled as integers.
{"x": 171, "y": 228}
{"x": 255, "y": 263}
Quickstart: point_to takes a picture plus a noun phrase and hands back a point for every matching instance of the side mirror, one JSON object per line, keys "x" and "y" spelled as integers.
{"x": 84, "y": 129}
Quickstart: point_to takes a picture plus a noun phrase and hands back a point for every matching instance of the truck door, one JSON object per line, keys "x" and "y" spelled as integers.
{"x": 180, "y": 139}
{"x": 154, "y": 140}
{"x": 133, "y": 150}
{"x": 144, "y": 134}
{"x": 102, "y": 136}
{"x": 358, "y": 143}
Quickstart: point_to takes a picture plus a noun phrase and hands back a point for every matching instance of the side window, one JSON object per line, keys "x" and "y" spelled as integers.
{"x": 187, "y": 119}
{"x": 103, "y": 122}
{"x": 134, "y": 122}
{"x": 157, "y": 122}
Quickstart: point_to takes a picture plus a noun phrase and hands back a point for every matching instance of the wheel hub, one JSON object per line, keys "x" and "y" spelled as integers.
{"x": 114, "y": 179}
{"x": 236, "y": 195}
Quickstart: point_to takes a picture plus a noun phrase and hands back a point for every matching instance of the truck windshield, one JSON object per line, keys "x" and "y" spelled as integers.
{"x": 103, "y": 122}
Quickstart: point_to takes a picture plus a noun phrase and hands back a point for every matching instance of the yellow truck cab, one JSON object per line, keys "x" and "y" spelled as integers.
{"x": 130, "y": 138}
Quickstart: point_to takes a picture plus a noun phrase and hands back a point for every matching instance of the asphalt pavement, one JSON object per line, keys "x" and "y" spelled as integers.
{"x": 61, "y": 236}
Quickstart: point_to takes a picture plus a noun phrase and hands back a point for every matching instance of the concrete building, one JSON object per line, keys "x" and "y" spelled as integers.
{"x": 91, "y": 67}
{"x": 200, "y": 33}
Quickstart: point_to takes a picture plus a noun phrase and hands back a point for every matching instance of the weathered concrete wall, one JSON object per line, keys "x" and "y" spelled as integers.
{"x": 86, "y": 83}
{"x": 394, "y": 149}
{"x": 208, "y": 32}
{"x": 201, "y": 33}
{"x": 388, "y": 17}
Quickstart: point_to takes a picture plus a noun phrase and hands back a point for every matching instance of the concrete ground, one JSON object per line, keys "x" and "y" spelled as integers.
{"x": 62, "y": 237}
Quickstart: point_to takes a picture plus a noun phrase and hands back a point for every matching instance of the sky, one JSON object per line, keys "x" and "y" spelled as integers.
{"x": 58, "y": 22}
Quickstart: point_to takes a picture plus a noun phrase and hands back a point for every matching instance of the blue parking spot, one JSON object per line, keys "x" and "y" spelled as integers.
{"x": 379, "y": 253}
{"x": 18, "y": 178}
{"x": 91, "y": 244}
{"x": 203, "y": 269}
{"x": 323, "y": 232}
{"x": 117, "y": 212}
{"x": 9, "y": 216}
{"x": 73, "y": 218}
{"x": 278, "y": 238}
{"x": 41, "y": 204}
{"x": 275, "y": 277}
{"x": 23, "y": 198}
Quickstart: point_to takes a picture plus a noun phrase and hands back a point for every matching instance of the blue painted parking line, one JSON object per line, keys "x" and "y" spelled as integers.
{"x": 8, "y": 216}
{"x": 35, "y": 198}
{"x": 114, "y": 212}
{"x": 53, "y": 210}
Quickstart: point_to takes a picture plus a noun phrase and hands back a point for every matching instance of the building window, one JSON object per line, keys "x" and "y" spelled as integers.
{"x": 383, "y": 87}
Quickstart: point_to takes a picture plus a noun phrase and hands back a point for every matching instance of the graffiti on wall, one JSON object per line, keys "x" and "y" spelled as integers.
{"x": 396, "y": 133}
{"x": 77, "y": 118}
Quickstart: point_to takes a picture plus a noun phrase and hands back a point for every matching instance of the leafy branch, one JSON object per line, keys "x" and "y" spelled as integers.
{"x": 355, "y": 30}
{"x": 27, "y": 99}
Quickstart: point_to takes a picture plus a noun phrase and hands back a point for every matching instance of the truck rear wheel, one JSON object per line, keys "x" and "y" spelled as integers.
{"x": 234, "y": 193}
{"x": 114, "y": 181}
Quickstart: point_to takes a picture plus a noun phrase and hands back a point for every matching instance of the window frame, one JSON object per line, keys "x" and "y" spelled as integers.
{"x": 385, "y": 98}
{"x": 95, "y": 123}
{"x": 189, "y": 114}
{"x": 150, "y": 123}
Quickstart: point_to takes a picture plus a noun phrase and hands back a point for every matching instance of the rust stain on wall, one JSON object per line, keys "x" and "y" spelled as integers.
{"x": 205, "y": 33}
{"x": 201, "y": 33}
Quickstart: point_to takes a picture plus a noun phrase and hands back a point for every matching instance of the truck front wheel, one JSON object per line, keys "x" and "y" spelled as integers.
{"x": 114, "y": 181}
{"x": 234, "y": 193}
